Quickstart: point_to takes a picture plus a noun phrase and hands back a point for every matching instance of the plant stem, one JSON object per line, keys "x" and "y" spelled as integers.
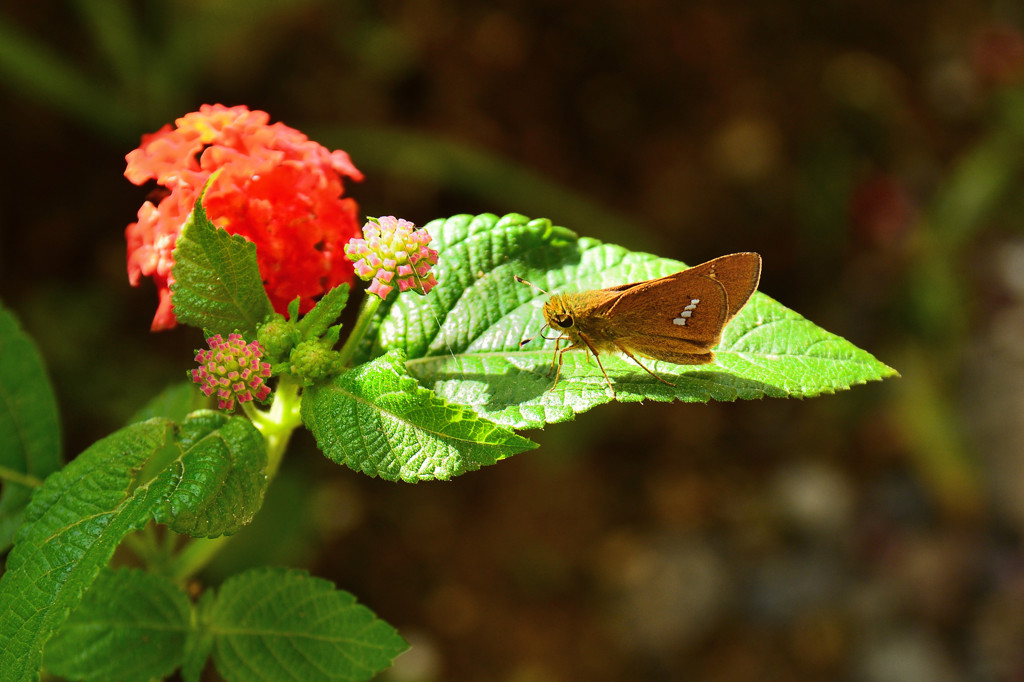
{"x": 366, "y": 313}
{"x": 154, "y": 553}
{"x": 194, "y": 556}
{"x": 27, "y": 480}
{"x": 278, "y": 423}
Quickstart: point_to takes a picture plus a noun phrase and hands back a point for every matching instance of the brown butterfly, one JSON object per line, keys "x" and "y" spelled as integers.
{"x": 678, "y": 318}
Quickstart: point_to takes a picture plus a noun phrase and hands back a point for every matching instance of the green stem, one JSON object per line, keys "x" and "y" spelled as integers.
{"x": 362, "y": 325}
{"x": 194, "y": 556}
{"x": 170, "y": 542}
{"x": 27, "y": 480}
{"x": 147, "y": 548}
{"x": 276, "y": 425}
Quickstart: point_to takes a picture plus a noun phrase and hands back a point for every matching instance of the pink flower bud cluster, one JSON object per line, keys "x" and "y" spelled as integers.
{"x": 393, "y": 252}
{"x": 233, "y": 370}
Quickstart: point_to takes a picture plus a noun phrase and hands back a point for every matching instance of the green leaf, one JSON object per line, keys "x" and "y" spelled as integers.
{"x": 175, "y": 402}
{"x": 217, "y": 281}
{"x": 202, "y": 483}
{"x": 324, "y": 313}
{"x": 293, "y": 309}
{"x": 378, "y": 420}
{"x": 131, "y": 625}
{"x": 220, "y": 476}
{"x": 72, "y": 526}
{"x": 281, "y": 624}
{"x": 463, "y": 339}
{"x": 29, "y": 427}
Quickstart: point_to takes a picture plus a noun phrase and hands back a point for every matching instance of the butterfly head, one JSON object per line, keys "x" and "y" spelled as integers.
{"x": 558, "y": 315}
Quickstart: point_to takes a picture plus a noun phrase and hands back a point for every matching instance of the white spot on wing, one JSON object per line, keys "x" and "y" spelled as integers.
{"x": 687, "y": 311}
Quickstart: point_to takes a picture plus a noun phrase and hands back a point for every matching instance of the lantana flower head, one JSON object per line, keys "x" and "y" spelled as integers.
{"x": 393, "y": 252}
{"x": 275, "y": 187}
{"x": 233, "y": 370}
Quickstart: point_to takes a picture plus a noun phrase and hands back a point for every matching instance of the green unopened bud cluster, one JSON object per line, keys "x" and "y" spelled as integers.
{"x": 278, "y": 337}
{"x": 313, "y": 360}
{"x": 308, "y": 359}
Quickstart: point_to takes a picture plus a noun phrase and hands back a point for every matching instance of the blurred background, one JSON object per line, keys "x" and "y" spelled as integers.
{"x": 872, "y": 152}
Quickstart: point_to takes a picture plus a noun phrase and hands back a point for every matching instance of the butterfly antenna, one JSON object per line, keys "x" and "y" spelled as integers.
{"x": 523, "y": 281}
{"x": 541, "y": 332}
{"x": 541, "y": 335}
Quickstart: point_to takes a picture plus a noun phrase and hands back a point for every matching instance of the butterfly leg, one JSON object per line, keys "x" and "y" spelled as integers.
{"x": 599, "y": 363}
{"x": 606, "y": 379}
{"x": 557, "y": 357}
{"x": 558, "y": 371}
{"x": 634, "y": 359}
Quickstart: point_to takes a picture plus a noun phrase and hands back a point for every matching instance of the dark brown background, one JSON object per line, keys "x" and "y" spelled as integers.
{"x": 871, "y": 151}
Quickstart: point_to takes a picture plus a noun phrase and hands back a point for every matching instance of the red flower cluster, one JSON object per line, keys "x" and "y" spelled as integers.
{"x": 276, "y": 188}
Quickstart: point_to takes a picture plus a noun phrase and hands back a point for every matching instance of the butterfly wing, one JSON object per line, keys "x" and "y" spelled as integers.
{"x": 680, "y": 317}
{"x": 739, "y": 273}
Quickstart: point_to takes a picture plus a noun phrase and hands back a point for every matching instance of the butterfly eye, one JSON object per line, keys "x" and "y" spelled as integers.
{"x": 563, "y": 321}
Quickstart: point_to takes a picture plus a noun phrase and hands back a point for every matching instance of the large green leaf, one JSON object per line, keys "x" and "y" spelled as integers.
{"x": 265, "y": 624}
{"x": 463, "y": 339}
{"x": 280, "y": 624}
{"x": 219, "y": 474}
{"x": 29, "y": 428}
{"x": 378, "y": 420}
{"x": 131, "y": 625}
{"x": 217, "y": 280}
{"x": 72, "y": 526}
